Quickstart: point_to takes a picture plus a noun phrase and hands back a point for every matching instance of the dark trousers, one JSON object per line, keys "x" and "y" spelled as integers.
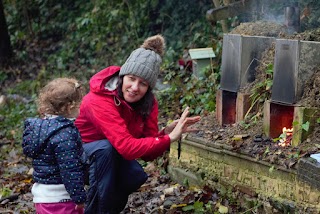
{"x": 111, "y": 178}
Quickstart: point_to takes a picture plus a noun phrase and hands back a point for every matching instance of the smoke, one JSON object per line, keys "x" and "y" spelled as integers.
{"x": 269, "y": 10}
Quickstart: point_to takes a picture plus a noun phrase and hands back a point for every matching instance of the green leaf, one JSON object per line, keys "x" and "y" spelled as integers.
{"x": 188, "y": 208}
{"x": 223, "y": 191}
{"x": 295, "y": 123}
{"x": 306, "y": 126}
{"x": 267, "y": 150}
{"x": 186, "y": 182}
{"x": 198, "y": 205}
{"x": 5, "y": 192}
{"x": 283, "y": 135}
{"x": 276, "y": 139}
{"x": 223, "y": 209}
{"x": 271, "y": 169}
{"x": 269, "y": 69}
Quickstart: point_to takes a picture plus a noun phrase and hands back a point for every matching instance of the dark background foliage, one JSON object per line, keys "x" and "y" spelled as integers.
{"x": 78, "y": 38}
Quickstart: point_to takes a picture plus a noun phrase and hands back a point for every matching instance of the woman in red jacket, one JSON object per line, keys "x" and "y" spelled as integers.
{"x": 118, "y": 123}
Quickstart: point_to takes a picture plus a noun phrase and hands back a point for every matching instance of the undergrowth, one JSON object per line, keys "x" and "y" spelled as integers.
{"x": 62, "y": 38}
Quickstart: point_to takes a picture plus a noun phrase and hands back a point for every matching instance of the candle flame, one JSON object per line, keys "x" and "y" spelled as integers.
{"x": 286, "y": 139}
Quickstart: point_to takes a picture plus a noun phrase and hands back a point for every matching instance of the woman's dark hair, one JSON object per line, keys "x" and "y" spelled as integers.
{"x": 143, "y": 106}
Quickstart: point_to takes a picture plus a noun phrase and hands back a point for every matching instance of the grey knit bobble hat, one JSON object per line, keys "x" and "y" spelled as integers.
{"x": 145, "y": 61}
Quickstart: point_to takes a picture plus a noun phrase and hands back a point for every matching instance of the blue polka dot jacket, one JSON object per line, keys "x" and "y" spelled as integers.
{"x": 57, "y": 155}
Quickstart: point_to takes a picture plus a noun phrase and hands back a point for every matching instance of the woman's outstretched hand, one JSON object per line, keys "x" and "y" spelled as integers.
{"x": 178, "y": 127}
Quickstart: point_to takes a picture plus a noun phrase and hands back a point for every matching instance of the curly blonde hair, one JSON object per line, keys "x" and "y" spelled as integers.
{"x": 58, "y": 94}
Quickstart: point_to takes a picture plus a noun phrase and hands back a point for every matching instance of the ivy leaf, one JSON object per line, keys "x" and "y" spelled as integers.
{"x": 318, "y": 120}
{"x": 306, "y": 126}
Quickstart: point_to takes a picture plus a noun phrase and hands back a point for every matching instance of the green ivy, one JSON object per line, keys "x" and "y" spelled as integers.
{"x": 96, "y": 34}
{"x": 188, "y": 90}
{"x": 79, "y": 38}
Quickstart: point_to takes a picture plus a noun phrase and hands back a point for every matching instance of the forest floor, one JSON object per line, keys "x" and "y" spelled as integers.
{"x": 158, "y": 195}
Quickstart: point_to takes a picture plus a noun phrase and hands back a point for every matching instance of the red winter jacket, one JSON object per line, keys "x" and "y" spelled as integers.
{"x": 102, "y": 117}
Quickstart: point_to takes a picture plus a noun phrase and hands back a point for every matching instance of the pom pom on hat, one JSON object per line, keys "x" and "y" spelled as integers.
{"x": 155, "y": 43}
{"x": 145, "y": 61}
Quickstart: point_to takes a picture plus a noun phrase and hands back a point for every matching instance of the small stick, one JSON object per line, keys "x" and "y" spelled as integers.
{"x": 179, "y": 148}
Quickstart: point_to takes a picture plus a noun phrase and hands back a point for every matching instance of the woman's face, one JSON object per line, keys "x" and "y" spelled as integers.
{"x": 134, "y": 88}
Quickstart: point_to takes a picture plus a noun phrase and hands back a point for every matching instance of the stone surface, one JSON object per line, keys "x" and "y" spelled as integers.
{"x": 201, "y": 163}
{"x": 309, "y": 172}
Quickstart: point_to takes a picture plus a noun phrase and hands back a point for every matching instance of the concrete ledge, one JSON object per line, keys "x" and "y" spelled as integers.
{"x": 309, "y": 172}
{"x": 204, "y": 163}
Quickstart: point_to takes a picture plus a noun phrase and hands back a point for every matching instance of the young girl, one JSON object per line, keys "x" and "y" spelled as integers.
{"x": 54, "y": 144}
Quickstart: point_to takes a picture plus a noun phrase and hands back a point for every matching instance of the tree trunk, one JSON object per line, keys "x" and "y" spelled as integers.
{"x": 5, "y": 46}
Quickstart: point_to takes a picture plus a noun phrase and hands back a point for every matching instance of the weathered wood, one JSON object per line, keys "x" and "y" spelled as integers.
{"x": 226, "y": 2}
{"x": 224, "y": 23}
{"x": 231, "y": 10}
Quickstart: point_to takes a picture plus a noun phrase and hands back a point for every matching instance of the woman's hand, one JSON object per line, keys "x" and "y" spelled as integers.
{"x": 190, "y": 121}
{"x": 170, "y": 127}
{"x": 178, "y": 127}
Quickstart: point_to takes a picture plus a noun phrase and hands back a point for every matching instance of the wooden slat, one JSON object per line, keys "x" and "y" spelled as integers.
{"x": 231, "y": 10}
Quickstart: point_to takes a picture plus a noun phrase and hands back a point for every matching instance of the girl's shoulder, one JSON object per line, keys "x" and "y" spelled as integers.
{"x": 61, "y": 128}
